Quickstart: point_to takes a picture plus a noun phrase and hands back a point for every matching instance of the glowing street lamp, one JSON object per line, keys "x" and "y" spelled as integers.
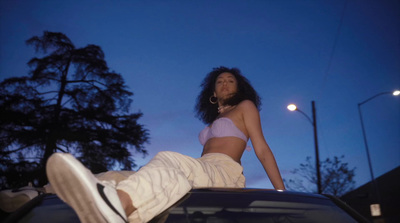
{"x": 373, "y": 206}
{"x": 293, "y": 107}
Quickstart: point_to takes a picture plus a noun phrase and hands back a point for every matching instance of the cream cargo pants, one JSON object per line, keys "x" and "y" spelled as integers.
{"x": 170, "y": 175}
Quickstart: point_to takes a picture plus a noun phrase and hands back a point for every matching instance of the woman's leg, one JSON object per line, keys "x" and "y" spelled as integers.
{"x": 169, "y": 176}
{"x": 155, "y": 187}
{"x": 126, "y": 202}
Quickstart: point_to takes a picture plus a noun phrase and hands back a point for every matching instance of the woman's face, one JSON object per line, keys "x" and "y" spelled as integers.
{"x": 225, "y": 86}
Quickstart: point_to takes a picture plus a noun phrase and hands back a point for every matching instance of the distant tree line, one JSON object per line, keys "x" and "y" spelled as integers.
{"x": 337, "y": 178}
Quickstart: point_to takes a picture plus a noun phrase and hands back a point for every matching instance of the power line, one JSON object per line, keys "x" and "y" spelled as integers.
{"x": 333, "y": 48}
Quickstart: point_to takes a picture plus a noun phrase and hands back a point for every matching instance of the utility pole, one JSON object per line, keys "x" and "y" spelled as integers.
{"x": 317, "y": 166}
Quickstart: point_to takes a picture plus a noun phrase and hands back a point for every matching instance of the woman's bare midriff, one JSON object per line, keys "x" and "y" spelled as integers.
{"x": 231, "y": 146}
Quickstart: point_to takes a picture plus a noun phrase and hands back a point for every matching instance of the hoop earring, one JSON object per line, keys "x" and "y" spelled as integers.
{"x": 211, "y": 100}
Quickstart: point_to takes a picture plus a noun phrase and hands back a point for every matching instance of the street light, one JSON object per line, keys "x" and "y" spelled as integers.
{"x": 394, "y": 93}
{"x": 313, "y": 122}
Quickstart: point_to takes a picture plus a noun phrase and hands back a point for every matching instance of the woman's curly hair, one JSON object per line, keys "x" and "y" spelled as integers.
{"x": 208, "y": 112}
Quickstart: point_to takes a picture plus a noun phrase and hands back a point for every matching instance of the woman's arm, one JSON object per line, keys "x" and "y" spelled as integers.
{"x": 252, "y": 123}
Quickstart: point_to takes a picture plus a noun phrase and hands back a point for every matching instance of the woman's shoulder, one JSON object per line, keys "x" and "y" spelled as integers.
{"x": 247, "y": 107}
{"x": 247, "y": 104}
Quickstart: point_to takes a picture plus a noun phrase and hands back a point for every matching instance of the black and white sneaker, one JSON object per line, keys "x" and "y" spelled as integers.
{"x": 92, "y": 200}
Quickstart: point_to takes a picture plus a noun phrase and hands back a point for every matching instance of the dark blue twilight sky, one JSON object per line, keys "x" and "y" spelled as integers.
{"x": 291, "y": 51}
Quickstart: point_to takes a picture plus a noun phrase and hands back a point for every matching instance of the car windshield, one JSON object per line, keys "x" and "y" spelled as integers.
{"x": 245, "y": 208}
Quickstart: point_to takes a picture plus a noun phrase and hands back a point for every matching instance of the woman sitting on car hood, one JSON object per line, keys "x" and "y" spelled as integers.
{"x": 229, "y": 105}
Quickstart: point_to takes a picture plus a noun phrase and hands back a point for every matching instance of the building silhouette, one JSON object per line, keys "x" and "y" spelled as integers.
{"x": 388, "y": 186}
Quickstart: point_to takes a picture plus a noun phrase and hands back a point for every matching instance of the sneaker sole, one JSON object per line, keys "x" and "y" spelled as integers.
{"x": 68, "y": 182}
